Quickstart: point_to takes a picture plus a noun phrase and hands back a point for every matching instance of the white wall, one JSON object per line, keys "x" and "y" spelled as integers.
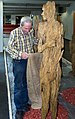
{"x": 1, "y": 26}
{"x": 13, "y": 19}
{"x": 67, "y": 20}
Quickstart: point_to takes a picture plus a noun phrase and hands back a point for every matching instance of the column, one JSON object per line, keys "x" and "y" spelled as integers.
{"x": 1, "y": 26}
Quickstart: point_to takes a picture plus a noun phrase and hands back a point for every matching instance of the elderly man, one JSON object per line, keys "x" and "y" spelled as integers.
{"x": 20, "y": 46}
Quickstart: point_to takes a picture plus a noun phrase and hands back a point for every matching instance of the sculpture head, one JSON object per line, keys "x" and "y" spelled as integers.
{"x": 48, "y": 10}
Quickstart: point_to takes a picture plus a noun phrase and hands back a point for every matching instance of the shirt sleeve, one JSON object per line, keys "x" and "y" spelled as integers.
{"x": 35, "y": 40}
{"x": 12, "y": 47}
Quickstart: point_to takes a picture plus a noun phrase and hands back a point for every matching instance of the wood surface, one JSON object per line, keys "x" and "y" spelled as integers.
{"x": 50, "y": 35}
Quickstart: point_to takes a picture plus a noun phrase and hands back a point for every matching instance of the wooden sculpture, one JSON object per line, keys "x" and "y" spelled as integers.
{"x": 50, "y": 33}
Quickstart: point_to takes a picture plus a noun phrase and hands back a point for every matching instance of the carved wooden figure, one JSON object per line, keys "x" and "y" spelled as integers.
{"x": 50, "y": 33}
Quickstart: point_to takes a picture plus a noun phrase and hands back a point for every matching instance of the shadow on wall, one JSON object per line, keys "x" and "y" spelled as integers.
{"x": 67, "y": 54}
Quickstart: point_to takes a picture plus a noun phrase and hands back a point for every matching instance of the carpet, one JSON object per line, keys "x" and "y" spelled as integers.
{"x": 69, "y": 95}
{"x": 36, "y": 113}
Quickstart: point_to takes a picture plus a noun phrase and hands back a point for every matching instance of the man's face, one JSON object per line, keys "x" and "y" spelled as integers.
{"x": 26, "y": 28}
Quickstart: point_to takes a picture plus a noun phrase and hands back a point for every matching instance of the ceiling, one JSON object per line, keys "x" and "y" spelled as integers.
{"x": 23, "y": 1}
{"x": 22, "y": 6}
{"x": 26, "y": 6}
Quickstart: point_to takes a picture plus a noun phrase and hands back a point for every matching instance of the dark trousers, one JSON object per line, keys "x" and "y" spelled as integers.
{"x": 20, "y": 84}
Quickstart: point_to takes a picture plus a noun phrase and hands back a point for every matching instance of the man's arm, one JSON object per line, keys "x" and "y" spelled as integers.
{"x": 12, "y": 47}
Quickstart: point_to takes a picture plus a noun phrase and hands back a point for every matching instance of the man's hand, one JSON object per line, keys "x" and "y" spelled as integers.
{"x": 24, "y": 55}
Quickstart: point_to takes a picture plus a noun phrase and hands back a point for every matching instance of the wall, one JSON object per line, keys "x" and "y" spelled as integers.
{"x": 1, "y": 26}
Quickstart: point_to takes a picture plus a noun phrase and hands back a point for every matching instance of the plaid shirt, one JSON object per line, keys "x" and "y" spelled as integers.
{"x": 20, "y": 42}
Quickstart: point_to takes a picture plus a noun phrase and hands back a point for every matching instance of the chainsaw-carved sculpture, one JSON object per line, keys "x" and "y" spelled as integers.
{"x": 50, "y": 33}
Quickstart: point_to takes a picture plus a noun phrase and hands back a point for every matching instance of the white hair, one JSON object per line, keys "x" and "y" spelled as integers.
{"x": 26, "y": 19}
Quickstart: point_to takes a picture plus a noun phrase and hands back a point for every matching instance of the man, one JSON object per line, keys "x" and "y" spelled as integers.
{"x": 20, "y": 46}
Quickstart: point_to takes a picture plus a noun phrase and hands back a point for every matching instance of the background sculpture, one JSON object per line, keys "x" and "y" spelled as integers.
{"x": 72, "y": 51}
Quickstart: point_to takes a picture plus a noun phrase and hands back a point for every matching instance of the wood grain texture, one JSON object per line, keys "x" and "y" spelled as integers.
{"x": 50, "y": 33}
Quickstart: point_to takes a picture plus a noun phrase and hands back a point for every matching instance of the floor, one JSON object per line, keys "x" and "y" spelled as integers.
{"x": 3, "y": 91}
{"x": 68, "y": 86}
{"x": 68, "y": 81}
